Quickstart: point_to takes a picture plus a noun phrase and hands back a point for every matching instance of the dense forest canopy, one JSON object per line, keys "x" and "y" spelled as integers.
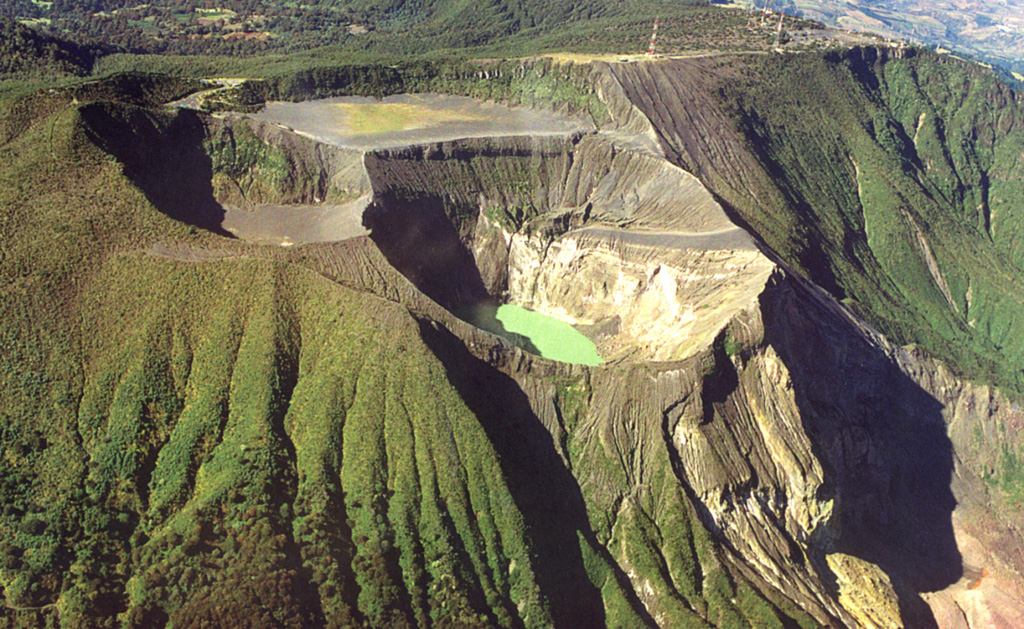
{"x": 23, "y": 50}
{"x": 245, "y": 27}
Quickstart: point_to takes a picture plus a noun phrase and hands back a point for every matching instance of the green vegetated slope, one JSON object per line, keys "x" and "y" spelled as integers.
{"x": 547, "y": 83}
{"x": 244, "y": 442}
{"x": 24, "y": 51}
{"x": 474, "y": 23}
{"x": 245, "y": 28}
{"x": 893, "y": 180}
{"x": 625, "y": 29}
{"x": 282, "y": 428}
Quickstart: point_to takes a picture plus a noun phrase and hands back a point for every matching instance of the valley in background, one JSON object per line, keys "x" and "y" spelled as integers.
{"x": 988, "y": 31}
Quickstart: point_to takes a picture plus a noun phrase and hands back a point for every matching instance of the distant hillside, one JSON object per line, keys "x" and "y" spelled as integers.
{"x": 23, "y": 50}
{"x": 244, "y": 27}
{"x": 990, "y": 30}
{"x": 19, "y": 8}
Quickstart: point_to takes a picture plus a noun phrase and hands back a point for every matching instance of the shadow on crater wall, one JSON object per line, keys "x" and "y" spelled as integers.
{"x": 420, "y": 241}
{"x": 163, "y": 155}
{"x": 882, "y": 441}
{"x": 544, "y": 490}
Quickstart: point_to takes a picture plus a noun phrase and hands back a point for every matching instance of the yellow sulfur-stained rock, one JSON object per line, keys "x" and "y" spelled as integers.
{"x": 866, "y": 592}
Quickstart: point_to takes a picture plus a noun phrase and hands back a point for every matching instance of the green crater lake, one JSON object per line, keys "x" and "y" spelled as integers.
{"x": 551, "y": 338}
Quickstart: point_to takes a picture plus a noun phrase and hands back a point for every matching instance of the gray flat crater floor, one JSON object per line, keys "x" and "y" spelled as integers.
{"x": 287, "y": 225}
{"x": 362, "y": 123}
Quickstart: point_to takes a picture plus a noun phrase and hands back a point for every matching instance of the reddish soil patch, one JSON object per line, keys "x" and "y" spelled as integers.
{"x": 977, "y": 583}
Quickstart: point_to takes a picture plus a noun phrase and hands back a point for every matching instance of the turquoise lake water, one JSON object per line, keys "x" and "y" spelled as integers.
{"x": 552, "y": 338}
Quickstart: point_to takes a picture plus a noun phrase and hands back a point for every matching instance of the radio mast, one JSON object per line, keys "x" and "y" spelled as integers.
{"x": 654, "y": 37}
{"x": 778, "y": 33}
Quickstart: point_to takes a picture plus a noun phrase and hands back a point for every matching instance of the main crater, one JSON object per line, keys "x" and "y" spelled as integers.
{"x": 481, "y": 205}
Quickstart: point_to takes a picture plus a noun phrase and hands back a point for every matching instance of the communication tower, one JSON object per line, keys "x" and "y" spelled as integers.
{"x": 654, "y": 37}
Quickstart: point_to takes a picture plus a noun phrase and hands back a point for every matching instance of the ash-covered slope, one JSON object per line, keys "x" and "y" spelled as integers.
{"x": 891, "y": 179}
{"x": 201, "y": 429}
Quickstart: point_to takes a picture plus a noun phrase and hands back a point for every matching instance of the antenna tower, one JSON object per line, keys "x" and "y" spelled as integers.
{"x": 778, "y": 33}
{"x": 654, "y": 37}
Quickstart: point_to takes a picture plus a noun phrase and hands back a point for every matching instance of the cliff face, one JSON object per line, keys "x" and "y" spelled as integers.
{"x": 860, "y": 454}
{"x": 312, "y": 426}
{"x": 815, "y": 449}
{"x": 917, "y": 479}
{"x": 607, "y": 237}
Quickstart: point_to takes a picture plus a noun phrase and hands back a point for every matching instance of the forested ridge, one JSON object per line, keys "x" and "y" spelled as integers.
{"x": 246, "y": 27}
{"x": 25, "y": 52}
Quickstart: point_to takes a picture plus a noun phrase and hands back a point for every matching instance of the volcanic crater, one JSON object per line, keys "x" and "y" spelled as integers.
{"x": 479, "y": 205}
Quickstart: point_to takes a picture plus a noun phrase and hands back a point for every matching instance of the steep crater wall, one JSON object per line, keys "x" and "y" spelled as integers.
{"x": 235, "y": 177}
{"x": 627, "y": 248}
{"x": 588, "y": 228}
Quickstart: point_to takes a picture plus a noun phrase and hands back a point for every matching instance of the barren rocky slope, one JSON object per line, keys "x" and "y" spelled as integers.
{"x": 309, "y": 436}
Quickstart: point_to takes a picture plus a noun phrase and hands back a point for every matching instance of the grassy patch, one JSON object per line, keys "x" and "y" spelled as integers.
{"x": 374, "y": 118}
{"x": 215, "y": 14}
